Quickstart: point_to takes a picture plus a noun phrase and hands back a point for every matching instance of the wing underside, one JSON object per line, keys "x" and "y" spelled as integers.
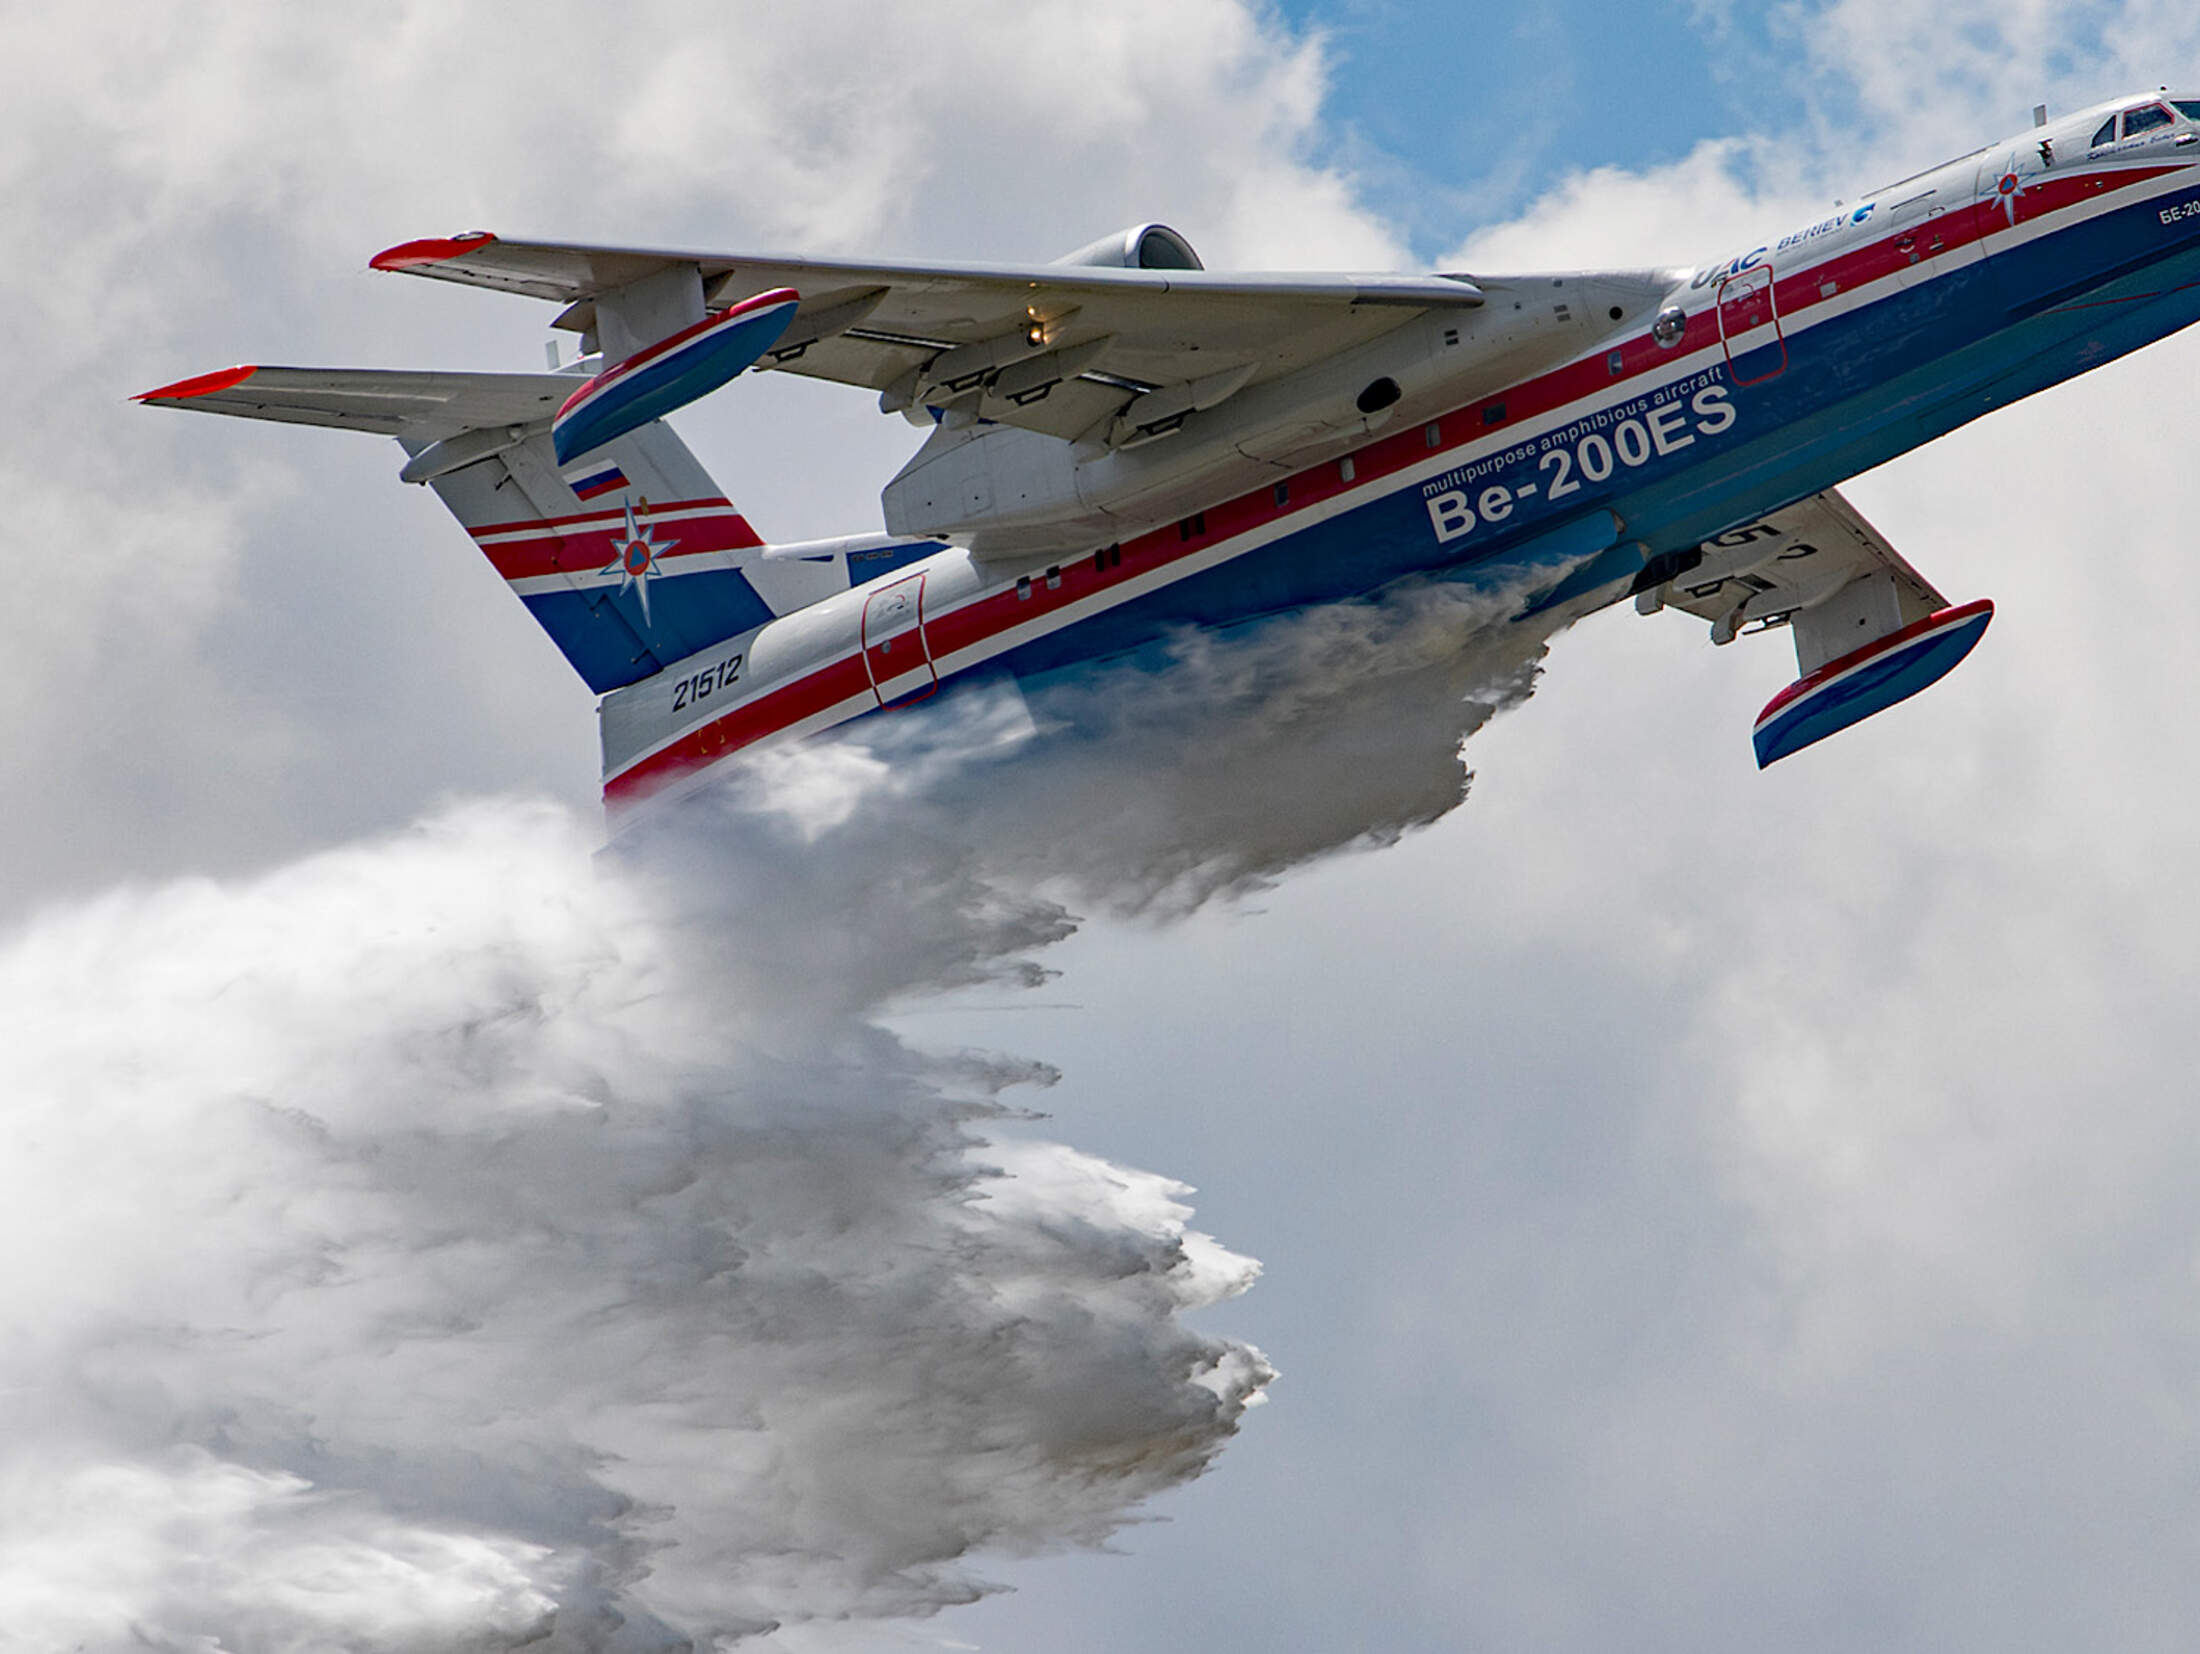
{"x": 1052, "y": 348}
{"x": 1816, "y": 566}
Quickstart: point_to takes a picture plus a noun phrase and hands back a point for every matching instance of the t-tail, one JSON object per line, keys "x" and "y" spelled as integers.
{"x": 630, "y": 558}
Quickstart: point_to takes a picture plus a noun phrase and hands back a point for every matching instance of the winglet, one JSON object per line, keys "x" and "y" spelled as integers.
{"x": 410, "y": 255}
{"x": 205, "y": 384}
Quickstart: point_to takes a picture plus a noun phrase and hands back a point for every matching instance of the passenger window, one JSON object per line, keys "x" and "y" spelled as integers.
{"x": 2137, "y": 121}
{"x": 2107, "y": 133}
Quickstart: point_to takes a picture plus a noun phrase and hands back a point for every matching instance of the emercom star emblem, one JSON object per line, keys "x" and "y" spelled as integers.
{"x": 635, "y": 557}
{"x": 2007, "y": 190}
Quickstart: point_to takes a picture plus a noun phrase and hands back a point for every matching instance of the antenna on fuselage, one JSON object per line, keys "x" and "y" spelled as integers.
{"x": 2039, "y": 114}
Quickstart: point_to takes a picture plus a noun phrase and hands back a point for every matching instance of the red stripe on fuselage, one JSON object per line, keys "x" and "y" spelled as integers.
{"x": 745, "y": 725}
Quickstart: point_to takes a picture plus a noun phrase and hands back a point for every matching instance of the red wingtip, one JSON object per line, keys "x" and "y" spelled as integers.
{"x": 206, "y": 384}
{"x": 410, "y": 255}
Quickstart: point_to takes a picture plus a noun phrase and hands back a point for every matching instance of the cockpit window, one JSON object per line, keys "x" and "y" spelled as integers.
{"x": 2137, "y": 121}
{"x": 2191, "y": 111}
{"x": 2107, "y": 133}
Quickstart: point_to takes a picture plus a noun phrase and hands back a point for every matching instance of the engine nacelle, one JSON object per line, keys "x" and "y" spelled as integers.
{"x": 1141, "y": 247}
{"x": 987, "y": 482}
{"x": 988, "y": 485}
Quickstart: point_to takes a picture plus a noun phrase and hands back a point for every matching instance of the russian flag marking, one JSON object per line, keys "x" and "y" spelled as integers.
{"x": 592, "y": 478}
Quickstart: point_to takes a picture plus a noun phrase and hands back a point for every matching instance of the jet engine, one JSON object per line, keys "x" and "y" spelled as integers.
{"x": 1141, "y": 247}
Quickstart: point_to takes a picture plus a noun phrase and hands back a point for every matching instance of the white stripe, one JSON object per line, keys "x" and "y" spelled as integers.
{"x": 673, "y": 563}
{"x": 596, "y": 522}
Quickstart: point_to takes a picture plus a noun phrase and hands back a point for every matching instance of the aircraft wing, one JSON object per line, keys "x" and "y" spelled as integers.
{"x": 1780, "y": 570}
{"x": 1053, "y": 348}
{"x": 1869, "y": 629}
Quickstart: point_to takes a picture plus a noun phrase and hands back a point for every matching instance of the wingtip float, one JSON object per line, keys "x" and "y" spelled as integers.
{"x": 671, "y": 373}
{"x": 1884, "y": 672}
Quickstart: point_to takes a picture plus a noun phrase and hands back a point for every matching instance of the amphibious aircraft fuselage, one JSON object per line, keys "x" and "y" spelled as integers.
{"x": 1125, "y": 444}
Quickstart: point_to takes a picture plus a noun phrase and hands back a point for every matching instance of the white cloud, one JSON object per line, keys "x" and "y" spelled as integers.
{"x": 1710, "y": 1203}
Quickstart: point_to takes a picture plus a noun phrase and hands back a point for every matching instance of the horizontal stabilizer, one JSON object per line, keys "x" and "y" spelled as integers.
{"x": 1868, "y": 680}
{"x": 386, "y": 401}
{"x": 630, "y": 557}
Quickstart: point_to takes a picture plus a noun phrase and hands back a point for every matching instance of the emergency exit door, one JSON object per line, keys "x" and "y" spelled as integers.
{"x": 897, "y": 656}
{"x": 1749, "y": 326}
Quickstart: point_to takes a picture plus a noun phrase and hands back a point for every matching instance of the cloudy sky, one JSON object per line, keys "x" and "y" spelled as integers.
{"x": 1697, "y": 1208}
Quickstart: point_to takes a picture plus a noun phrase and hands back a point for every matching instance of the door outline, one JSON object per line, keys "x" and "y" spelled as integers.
{"x": 1752, "y": 283}
{"x": 882, "y": 630}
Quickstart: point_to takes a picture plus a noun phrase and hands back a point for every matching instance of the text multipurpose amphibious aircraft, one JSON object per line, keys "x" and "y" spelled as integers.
{"x": 1123, "y": 442}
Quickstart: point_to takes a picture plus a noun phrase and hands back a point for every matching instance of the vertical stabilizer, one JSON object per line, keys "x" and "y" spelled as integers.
{"x": 630, "y": 558}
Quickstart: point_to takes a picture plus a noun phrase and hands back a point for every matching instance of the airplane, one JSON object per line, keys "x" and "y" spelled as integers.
{"x": 1123, "y": 443}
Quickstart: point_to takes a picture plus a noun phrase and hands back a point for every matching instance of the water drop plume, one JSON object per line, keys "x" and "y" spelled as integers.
{"x": 477, "y": 1239}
